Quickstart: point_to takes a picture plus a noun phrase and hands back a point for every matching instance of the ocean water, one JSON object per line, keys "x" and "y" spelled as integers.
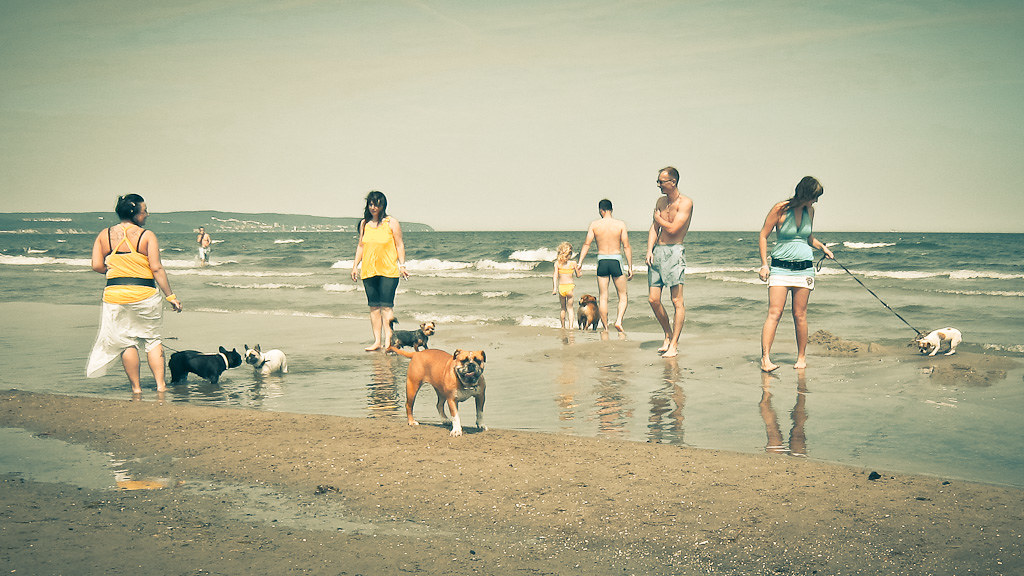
{"x": 867, "y": 411}
{"x": 971, "y": 281}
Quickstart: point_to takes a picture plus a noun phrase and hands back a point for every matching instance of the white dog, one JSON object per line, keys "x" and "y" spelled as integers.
{"x": 932, "y": 342}
{"x": 266, "y": 363}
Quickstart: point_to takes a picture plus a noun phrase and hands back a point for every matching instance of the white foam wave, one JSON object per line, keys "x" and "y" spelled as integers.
{"x": 503, "y": 294}
{"x": 478, "y": 275}
{"x": 462, "y": 319}
{"x": 280, "y": 313}
{"x": 267, "y": 286}
{"x": 1018, "y": 348}
{"x": 976, "y": 274}
{"x": 34, "y": 251}
{"x": 43, "y": 261}
{"x": 894, "y": 274}
{"x": 341, "y": 287}
{"x": 289, "y": 241}
{"x": 983, "y": 293}
{"x": 866, "y": 245}
{"x": 240, "y": 273}
{"x": 536, "y": 255}
{"x": 740, "y": 280}
{"x": 530, "y": 321}
{"x": 717, "y": 270}
{"x": 509, "y": 266}
{"x": 173, "y": 263}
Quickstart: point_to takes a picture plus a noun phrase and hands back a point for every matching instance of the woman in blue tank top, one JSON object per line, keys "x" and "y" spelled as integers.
{"x": 792, "y": 266}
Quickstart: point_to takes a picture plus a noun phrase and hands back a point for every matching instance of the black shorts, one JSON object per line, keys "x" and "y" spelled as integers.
{"x": 380, "y": 291}
{"x": 609, "y": 267}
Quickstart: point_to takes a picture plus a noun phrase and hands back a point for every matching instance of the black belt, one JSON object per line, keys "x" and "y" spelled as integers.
{"x": 131, "y": 282}
{"x": 793, "y": 264}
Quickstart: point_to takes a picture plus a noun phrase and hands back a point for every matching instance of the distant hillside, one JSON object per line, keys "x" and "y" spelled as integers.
{"x": 214, "y": 222}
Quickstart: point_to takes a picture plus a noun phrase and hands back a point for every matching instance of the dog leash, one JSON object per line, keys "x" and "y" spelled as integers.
{"x": 818, "y": 268}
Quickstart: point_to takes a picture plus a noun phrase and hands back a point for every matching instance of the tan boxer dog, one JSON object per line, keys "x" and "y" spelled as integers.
{"x": 455, "y": 377}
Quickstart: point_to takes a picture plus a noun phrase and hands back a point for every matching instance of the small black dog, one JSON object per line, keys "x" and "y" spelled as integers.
{"x": 414, "y": 338}
{"x": 209, "y": 366}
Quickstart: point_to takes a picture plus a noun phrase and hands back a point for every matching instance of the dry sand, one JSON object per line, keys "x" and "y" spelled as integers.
{"x": 253, "y": 492}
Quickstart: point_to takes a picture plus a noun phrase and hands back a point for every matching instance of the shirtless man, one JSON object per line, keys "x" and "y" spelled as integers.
{"x": 666, "y": 259}
{"x": 204, "y": 240}
{"x": 611, "y": 235}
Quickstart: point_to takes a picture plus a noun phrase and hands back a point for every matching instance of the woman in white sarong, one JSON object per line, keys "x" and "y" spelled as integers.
{"x": 129, "y": 256}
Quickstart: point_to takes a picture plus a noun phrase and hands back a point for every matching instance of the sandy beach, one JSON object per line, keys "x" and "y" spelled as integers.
{"x": 276, "y": 493}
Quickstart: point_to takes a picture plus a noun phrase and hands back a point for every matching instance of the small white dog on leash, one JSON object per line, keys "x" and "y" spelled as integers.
{"x": 933, "y": 341}
{"x": 266, "y": 363}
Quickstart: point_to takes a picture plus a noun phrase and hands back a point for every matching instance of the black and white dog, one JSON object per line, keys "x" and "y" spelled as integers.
{"x": 266, "y": 363}
{"x": 209, "y": 366}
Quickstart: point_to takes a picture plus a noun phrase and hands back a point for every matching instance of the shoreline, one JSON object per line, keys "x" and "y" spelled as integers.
{"x": 489, "y": 502}
{"x": 859, "y": 404}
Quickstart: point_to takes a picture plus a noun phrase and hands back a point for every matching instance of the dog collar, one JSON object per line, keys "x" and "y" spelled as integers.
{"x": 225, "y": 358}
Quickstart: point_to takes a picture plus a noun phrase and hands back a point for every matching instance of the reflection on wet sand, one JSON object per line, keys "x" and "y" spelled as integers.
{"x": 229, "y": 391}
{"x": 665, "y": 424}
{"x": 383, "y": 398}
{"x": 567, "y": 389}
{"x": 612, "y": 414}
{"x": 797, "y": 445}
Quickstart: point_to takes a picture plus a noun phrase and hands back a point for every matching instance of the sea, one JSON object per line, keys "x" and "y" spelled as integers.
{"x": 885, "y": 409}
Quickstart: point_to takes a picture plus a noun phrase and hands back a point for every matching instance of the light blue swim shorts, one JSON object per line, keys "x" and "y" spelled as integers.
{"x": 667, "y": 266}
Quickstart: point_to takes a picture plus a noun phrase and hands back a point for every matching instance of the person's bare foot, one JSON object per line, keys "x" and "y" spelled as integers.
{"x": 768, "y": 365}
{"x": 618, "y": 326}
{"x": 375, "y": 347}
{"x": 672, "y": 352}
{"x": 664, "y": 347}
{"x": 801, "y": 363}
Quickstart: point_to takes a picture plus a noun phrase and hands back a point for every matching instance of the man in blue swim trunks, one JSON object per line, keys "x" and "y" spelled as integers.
{"x": 611, "y": 235}
{"x": 666, "y": 259}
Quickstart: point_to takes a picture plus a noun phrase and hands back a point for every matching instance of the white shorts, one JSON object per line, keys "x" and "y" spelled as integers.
{"x": 124, "y": 326}
{"x": 791, "y": 281}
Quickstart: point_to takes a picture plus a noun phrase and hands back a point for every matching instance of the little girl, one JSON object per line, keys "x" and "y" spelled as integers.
{"x": 562, "y": 280}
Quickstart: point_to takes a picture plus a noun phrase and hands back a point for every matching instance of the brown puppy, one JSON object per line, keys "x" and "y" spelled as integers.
{"x": 455, "y": 377}
{"x": 587, "y": 314}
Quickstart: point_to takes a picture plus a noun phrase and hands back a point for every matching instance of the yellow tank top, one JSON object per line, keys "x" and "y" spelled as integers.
{"x": 132, "y": 264}
{"x": 380, "y": 256}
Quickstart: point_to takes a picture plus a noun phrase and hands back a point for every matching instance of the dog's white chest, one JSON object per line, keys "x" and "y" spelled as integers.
{"x": 465, "y": 392}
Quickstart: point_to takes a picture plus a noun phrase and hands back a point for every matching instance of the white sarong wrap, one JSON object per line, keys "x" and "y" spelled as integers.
{"x": 125, "y": 326}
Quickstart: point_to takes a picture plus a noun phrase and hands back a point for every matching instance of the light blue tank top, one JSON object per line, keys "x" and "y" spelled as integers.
{"x": 791, "y": 243}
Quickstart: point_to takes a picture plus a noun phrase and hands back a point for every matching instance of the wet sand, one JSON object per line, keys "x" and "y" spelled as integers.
{"x": 277, "y": 493}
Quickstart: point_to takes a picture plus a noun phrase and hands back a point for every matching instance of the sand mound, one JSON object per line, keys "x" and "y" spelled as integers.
{"x": 969, "y": 369}
{"x": 828, "y": 344}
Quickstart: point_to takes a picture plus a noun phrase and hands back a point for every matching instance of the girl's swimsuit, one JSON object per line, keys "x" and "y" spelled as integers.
{"x": 566, "y": 289}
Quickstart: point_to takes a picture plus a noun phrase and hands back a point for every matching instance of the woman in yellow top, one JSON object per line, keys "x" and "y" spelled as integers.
{"x": 381, "y": 255}
{"x": 129, "y": 256}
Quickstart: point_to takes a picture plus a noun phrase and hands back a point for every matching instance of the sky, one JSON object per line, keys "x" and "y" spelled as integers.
{"x": 485, "y": 115}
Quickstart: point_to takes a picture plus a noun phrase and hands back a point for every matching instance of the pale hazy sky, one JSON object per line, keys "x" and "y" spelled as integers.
{"x": 480, "y": 115}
